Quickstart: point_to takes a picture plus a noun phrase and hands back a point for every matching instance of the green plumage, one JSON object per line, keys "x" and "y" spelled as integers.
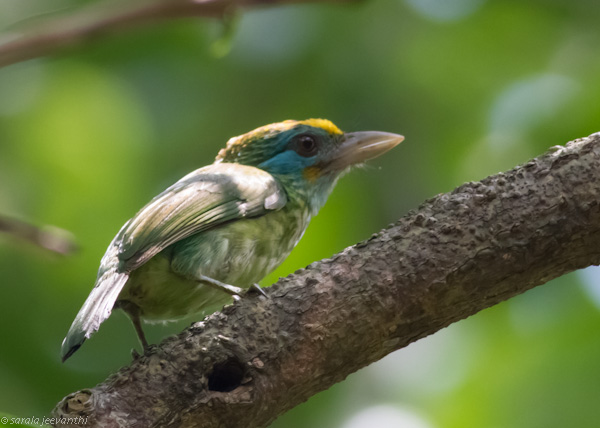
{"x": 223, "y": 226}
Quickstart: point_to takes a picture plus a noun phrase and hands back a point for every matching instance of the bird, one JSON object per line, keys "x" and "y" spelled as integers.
{"x": 222, "y": 228}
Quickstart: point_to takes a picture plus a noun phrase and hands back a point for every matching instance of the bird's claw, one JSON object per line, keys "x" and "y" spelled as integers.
{"x": 255, "y": 288}
{"x": 135, "y": 354}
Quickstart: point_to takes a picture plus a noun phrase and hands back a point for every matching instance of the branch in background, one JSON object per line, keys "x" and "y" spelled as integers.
{"x": 49, "y": 237}
{"x": 106, "y": 18}
{"x": 457, "y": 254}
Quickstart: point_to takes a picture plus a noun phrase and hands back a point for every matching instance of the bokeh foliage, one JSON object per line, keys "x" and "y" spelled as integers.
{"x": 90, "y": 135}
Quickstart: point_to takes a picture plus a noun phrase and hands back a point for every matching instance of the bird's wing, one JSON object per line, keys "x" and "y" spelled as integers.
{"x": 203, "y": 199}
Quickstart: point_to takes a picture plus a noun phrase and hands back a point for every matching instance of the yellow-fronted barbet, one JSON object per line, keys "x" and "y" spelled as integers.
{"x": 222, "y": 228}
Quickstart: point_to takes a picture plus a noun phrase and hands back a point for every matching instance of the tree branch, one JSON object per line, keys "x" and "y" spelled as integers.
{"x": 457, "y": 254}
{"x": 48, "y": 237}
{"x": 107, "y": 18}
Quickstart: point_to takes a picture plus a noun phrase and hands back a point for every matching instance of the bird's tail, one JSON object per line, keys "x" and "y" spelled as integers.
{"x": 94, "y": 311}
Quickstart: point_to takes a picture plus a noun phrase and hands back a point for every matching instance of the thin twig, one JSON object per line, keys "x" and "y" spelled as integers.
{"x": 48, "y": 237}
{"x": 106, "y": 18}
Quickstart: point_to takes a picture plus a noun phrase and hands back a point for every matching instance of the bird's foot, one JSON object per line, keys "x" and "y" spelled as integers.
{"x": 229, "y": 289}
{"x": 233, "y": 291}
{"x": 134, "y": 312}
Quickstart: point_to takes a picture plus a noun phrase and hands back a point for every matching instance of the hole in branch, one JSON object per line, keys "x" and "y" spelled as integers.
{"x": 226, "y": 376}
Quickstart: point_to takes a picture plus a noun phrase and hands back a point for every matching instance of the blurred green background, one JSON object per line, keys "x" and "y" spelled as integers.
{"x": 88, "y": 136}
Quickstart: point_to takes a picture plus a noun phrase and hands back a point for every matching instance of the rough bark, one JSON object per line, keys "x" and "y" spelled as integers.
{"x": 457, "y": 254}
{"x": 109, "y": 17}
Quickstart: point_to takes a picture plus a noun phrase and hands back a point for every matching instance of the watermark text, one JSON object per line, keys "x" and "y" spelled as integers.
{"x": 44, "y": 421}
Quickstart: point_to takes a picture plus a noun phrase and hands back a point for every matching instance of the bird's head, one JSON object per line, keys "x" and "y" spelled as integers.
{"x": 307, "y": 156}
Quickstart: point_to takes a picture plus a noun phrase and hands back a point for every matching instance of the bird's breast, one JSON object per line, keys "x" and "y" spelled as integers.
{"x": 241, "y": 252}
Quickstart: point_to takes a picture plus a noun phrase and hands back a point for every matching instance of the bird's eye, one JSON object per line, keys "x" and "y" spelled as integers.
{"x": 306, "y": 145}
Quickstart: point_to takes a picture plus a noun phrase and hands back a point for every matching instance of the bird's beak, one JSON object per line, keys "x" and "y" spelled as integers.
{"x": 357, "y": 147}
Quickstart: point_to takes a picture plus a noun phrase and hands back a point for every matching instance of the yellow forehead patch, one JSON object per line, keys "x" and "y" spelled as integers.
{"x": 325, "y": 124}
